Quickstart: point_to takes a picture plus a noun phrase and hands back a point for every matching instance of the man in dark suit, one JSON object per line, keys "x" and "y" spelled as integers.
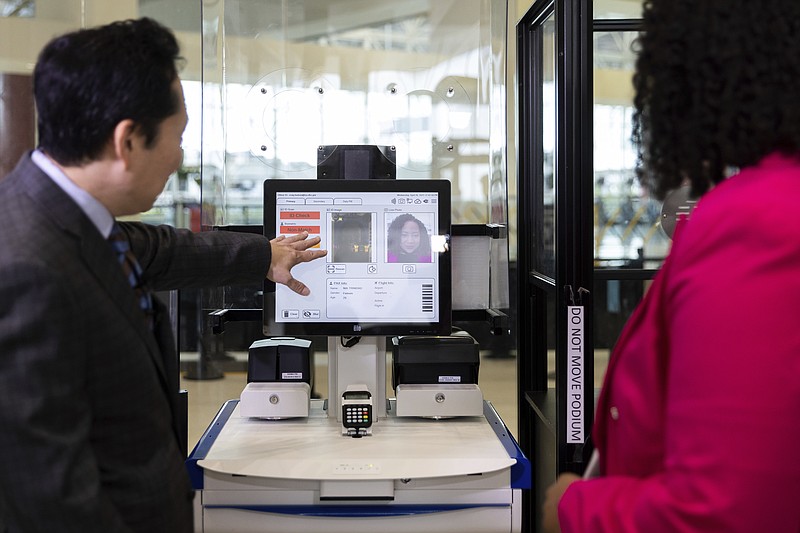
{"x": 88, "y": 371}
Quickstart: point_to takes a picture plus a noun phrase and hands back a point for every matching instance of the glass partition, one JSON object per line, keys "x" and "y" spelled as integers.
{"x": 424, "y": 79}
{"x": 545, "y": 256}
{"x": 179, "y": 204}
{"x": 27, "y": 25}
{"x": 627, "y": 232}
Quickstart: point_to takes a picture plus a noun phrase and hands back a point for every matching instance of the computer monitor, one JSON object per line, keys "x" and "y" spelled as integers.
{"x": 387, "y": 271}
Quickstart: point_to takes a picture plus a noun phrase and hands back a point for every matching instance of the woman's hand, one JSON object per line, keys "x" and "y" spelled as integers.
{"x": 552, "y": 497}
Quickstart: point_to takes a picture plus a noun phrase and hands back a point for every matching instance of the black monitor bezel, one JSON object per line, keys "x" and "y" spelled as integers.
{"x": 439, "y": 186}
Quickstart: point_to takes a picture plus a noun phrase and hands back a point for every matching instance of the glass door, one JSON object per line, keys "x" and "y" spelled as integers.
{"x": 555, "y": 365}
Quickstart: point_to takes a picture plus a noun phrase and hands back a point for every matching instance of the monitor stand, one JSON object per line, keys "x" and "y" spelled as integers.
{"x": 362, "y": 363}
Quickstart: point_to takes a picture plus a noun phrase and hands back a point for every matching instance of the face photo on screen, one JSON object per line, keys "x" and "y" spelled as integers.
{"x": 408, "y": 240}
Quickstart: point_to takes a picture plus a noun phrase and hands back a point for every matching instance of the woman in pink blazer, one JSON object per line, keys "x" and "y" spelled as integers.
{"x": 698, "y": 423}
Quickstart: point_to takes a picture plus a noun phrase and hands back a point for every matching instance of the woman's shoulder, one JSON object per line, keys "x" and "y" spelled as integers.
{"x": 760, "y": 194}
{"x": 751, "y": 211}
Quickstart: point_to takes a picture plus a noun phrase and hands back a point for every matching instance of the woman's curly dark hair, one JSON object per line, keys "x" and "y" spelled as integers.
{"x": 717, "y": 87}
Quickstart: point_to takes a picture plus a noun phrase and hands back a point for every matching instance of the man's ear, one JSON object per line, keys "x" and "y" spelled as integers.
{"x": 124, "y": 141}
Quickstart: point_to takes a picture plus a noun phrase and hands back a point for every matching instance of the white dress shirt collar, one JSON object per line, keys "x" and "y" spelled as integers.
{"x": 93, "y": 209}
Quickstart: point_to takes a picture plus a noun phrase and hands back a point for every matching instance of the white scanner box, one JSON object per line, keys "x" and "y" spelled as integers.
{"x": 275, "y": 400}
{"x": 439, "y": 401}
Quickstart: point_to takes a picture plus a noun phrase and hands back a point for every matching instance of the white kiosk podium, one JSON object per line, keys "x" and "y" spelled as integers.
{"x": 356, "y": 463}
{"x": 411, "y": 475}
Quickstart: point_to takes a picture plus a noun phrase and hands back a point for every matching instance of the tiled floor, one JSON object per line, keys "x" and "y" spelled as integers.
{"x": 497, "y": 381}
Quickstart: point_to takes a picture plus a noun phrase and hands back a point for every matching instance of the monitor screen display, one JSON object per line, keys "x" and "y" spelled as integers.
{"x": 387, "y": 271}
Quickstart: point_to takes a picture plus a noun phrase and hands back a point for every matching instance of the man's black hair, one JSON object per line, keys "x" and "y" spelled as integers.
{"x": 86, "y": 82}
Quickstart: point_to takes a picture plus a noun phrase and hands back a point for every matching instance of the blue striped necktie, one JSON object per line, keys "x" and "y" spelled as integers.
{"x": 132, "y": 271}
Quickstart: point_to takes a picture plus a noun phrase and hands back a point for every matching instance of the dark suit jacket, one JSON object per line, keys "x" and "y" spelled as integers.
{"x": 88, "y": 438}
